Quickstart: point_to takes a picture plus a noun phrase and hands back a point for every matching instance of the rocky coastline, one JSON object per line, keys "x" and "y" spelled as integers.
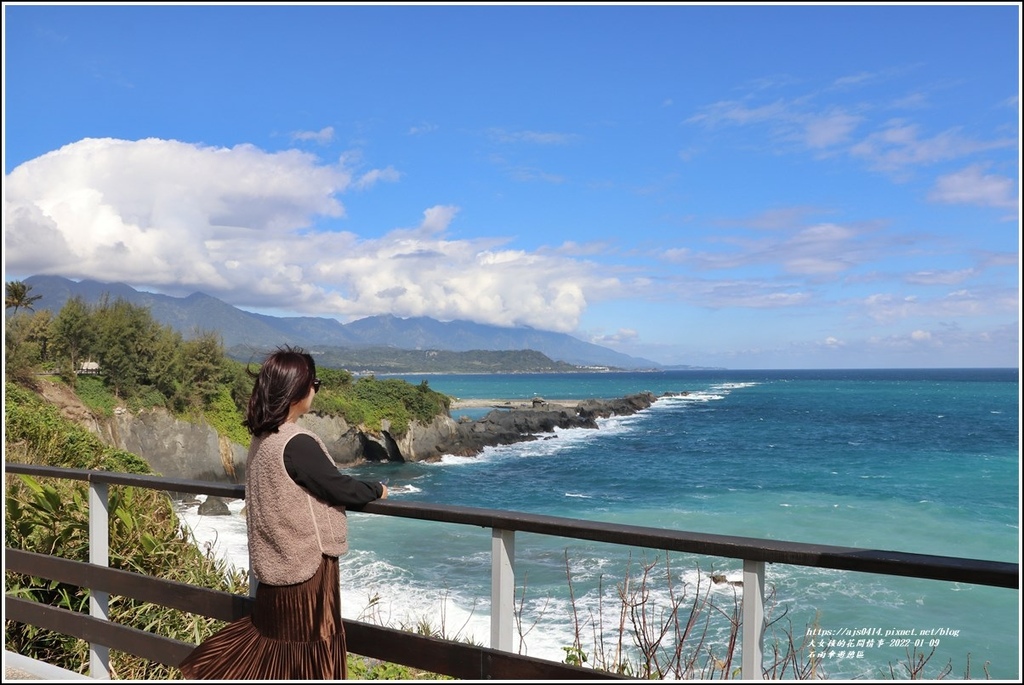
{"x": 511, "y": 421}
{"x": 508, "y": 422}
{"x": 176, "y": 448}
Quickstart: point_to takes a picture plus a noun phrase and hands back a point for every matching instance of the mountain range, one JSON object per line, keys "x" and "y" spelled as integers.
{"x": 199, "y": 312}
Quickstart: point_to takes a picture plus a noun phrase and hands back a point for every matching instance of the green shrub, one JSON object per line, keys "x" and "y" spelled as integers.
{"x": 95, "y": 395}
{"x": 369, "y": 402}
{"x": 226, "y": 418}
{"x": 360, "y": 668}
{"x": 146, "y": 397}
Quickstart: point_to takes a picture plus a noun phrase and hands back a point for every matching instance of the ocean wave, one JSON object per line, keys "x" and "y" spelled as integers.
{"x": 545, "y": 444}
{"x": 698, "y": 396}
{"x": 735, "y": 385}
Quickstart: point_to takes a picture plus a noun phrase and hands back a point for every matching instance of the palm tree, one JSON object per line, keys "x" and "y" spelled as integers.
{"x": 17, "y": 296}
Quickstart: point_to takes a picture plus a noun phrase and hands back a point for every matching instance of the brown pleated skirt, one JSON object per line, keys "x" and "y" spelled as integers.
{"x": 294, "y": 633}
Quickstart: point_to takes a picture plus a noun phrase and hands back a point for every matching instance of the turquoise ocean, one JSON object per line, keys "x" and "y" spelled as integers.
{"x": 924, "y": 461}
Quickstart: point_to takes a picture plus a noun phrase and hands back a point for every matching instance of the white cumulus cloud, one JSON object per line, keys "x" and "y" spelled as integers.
{"x": 259, "y": 230}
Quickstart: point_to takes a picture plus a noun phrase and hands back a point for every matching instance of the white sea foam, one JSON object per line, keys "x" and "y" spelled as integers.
{"x": 690, "y": 398}
{"x": 373, "y": 588}
{"x": 386, "y": 583}
{"x": 225, "y": 536}
{"x": 378, "y": 591}
{"x": 713, "y": 393}
{"x": 735, "y": 386}
{"x": 405, "y": 489}
{"x": 544, "y": 444}
{"x": 393, "y": 589}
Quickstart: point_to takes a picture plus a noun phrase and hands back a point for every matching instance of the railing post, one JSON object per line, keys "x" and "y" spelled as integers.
{"x": 503, "y": 587}
{"x": 752, "y": 637}
{"x": 99, "y": 554}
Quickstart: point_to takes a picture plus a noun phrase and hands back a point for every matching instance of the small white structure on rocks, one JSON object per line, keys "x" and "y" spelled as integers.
{"x": 89, "y": 368}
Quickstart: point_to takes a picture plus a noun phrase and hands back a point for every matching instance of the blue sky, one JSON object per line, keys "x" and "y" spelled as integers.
{"x": 747, "y": 186}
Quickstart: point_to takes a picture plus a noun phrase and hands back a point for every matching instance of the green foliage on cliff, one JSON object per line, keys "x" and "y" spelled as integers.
{"x": 226, "y": 418}
{"x": 38, "y": 434}
{"x": 139, "y": 364}
{"x": 51, "y": 516}
{"x": 94, "y": 394}
{"x": 369, "y": 401}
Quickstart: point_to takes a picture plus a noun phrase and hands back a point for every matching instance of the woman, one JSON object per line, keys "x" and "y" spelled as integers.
{"x": 297, "y": 528}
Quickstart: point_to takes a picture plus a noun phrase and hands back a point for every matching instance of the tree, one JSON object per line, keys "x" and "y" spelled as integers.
{"x": 73, "y": 331}
{"x": 37, "y": 331}
{"x": 164, "y": 369}
{"x": 202, "y": 365}
{"x": 21, "y": 356}
{"x": 126, "y": 337}
{"x": 17, "y": 296}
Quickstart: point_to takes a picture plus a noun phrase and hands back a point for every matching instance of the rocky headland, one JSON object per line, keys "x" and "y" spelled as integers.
{"x": 511, "y": 422}
{"x": 194, "y": 450}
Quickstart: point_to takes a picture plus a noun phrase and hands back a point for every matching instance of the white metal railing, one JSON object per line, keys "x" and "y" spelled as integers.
{"x": 753, "y": 552}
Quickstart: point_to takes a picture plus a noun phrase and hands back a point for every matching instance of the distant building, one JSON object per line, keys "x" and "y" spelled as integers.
{"x": 89, "y": 368}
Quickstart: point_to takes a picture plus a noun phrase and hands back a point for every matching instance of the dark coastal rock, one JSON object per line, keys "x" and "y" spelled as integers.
{"x": 344, "y": 441}
{"x": 214, "y": 506}
{"x": 174, "y": 447}
{"x": 722, "y": 579}
{"x": 371, "y": 449}
{"x": 622, "y": 406}
{"x": 444, "y": 436}
{"x": 394, "y": 453}
{"x": 382, "y": 449}
{"x": 510, "y": 426}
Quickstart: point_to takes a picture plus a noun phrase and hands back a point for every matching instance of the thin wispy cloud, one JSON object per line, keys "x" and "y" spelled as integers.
{"x": 422, "y": 129}
{"x": 321, "y": 137}
{"x": 941, "y": 277}
{"x": 900, "y": 145}
{"x": 534, "y": 137}
{"x": 972, "y": 185}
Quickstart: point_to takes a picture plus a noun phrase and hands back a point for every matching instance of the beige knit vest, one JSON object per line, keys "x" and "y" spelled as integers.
{"x": 289, "y": 529}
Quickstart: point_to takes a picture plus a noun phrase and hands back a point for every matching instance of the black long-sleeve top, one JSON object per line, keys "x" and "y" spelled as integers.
{"x": 308, "y": 466}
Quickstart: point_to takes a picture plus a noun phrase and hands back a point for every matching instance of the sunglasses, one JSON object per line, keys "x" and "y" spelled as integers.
{"x": 316, "y": 385}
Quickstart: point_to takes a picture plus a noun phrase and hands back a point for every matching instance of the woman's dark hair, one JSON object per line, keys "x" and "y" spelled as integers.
{"x": 285, "y": 377}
